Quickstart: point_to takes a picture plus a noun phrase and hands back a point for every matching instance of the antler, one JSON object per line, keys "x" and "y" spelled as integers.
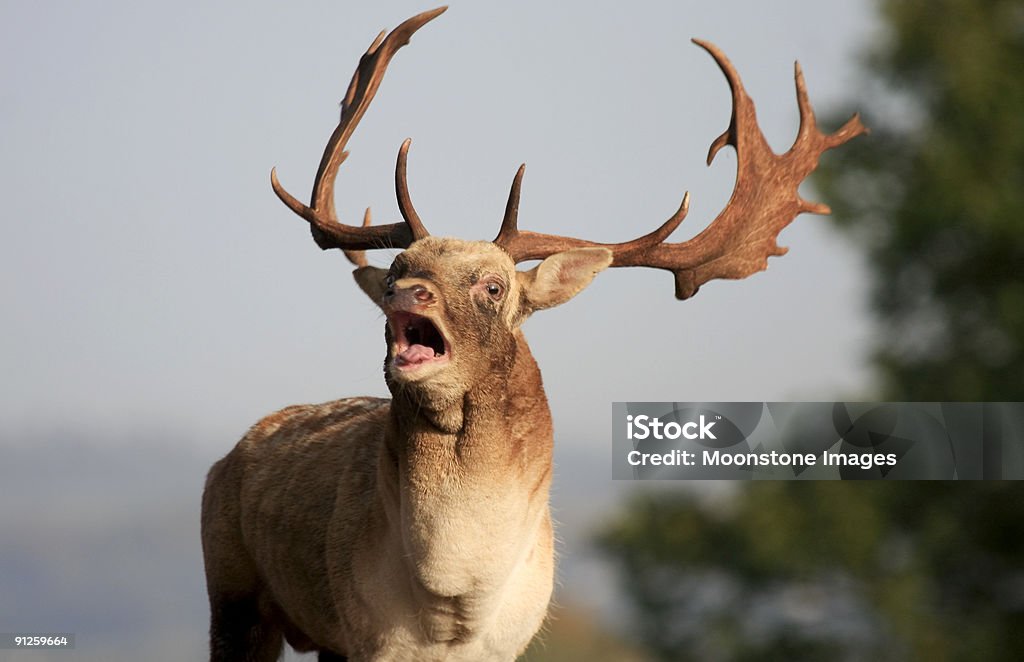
{"x": 327, "y": 231}
{"x": 740, "y": 240}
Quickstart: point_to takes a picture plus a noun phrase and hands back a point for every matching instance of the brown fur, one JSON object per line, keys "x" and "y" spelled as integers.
{"x": 411, "y": 529}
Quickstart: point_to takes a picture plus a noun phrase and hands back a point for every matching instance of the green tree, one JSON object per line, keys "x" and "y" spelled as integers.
{"x": 936, "y": 197}
{"x": 827, "y": 571}
{"x": 882, "y": 571}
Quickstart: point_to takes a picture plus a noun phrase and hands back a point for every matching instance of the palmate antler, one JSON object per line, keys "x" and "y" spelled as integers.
{"x": 735, "y": 245}
{"x": 740, "y": 240}
{"x": 327, "y": 230}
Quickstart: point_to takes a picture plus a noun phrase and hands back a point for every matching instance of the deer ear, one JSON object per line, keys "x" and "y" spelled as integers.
{"x": 371, "y": 281}
{"x": 562, "y": 276}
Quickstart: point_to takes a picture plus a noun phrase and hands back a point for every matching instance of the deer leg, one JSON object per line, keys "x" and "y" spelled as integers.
{"x": 238, "y": 633}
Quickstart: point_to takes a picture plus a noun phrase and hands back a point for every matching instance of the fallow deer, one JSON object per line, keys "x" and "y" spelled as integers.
{"x": 418, "y": 528}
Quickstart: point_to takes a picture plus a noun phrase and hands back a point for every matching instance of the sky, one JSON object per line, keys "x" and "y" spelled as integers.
{"x": 151, "y": 278}
{"x": 157, "y": 294}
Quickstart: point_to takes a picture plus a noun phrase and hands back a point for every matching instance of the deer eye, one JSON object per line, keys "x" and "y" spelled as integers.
{"x": 494, "y": 289}
{"x": 389, "y": 282}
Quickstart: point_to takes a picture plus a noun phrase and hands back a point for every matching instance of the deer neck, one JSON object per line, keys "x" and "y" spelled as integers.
{"x": 472, "y": 479}
{"x": 500, "y": 418}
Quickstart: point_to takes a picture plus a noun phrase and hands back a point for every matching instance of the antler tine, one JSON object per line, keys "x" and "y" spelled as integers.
{"x": 509, "y": 223}
{"x": 412, "y": 219}
{"x": 743, "y": 235}
{"x": 327, "y": 230}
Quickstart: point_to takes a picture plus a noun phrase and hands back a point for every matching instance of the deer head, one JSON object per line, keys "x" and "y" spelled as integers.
{"x": 453, "y": 307}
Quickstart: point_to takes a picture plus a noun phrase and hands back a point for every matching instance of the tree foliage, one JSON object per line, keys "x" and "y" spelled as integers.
{"x": 820, "y": 571}
{"x": 936, "y": 197}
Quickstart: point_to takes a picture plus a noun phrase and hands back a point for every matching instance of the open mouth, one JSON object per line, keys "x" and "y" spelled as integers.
{"x": 418, "y": 341}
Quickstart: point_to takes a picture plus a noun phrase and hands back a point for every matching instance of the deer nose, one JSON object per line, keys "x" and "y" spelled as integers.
{"x": 409, "y": 293}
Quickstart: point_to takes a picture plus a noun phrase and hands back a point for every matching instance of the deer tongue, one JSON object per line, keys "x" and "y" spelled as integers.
{"x": 415, "y": 354}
